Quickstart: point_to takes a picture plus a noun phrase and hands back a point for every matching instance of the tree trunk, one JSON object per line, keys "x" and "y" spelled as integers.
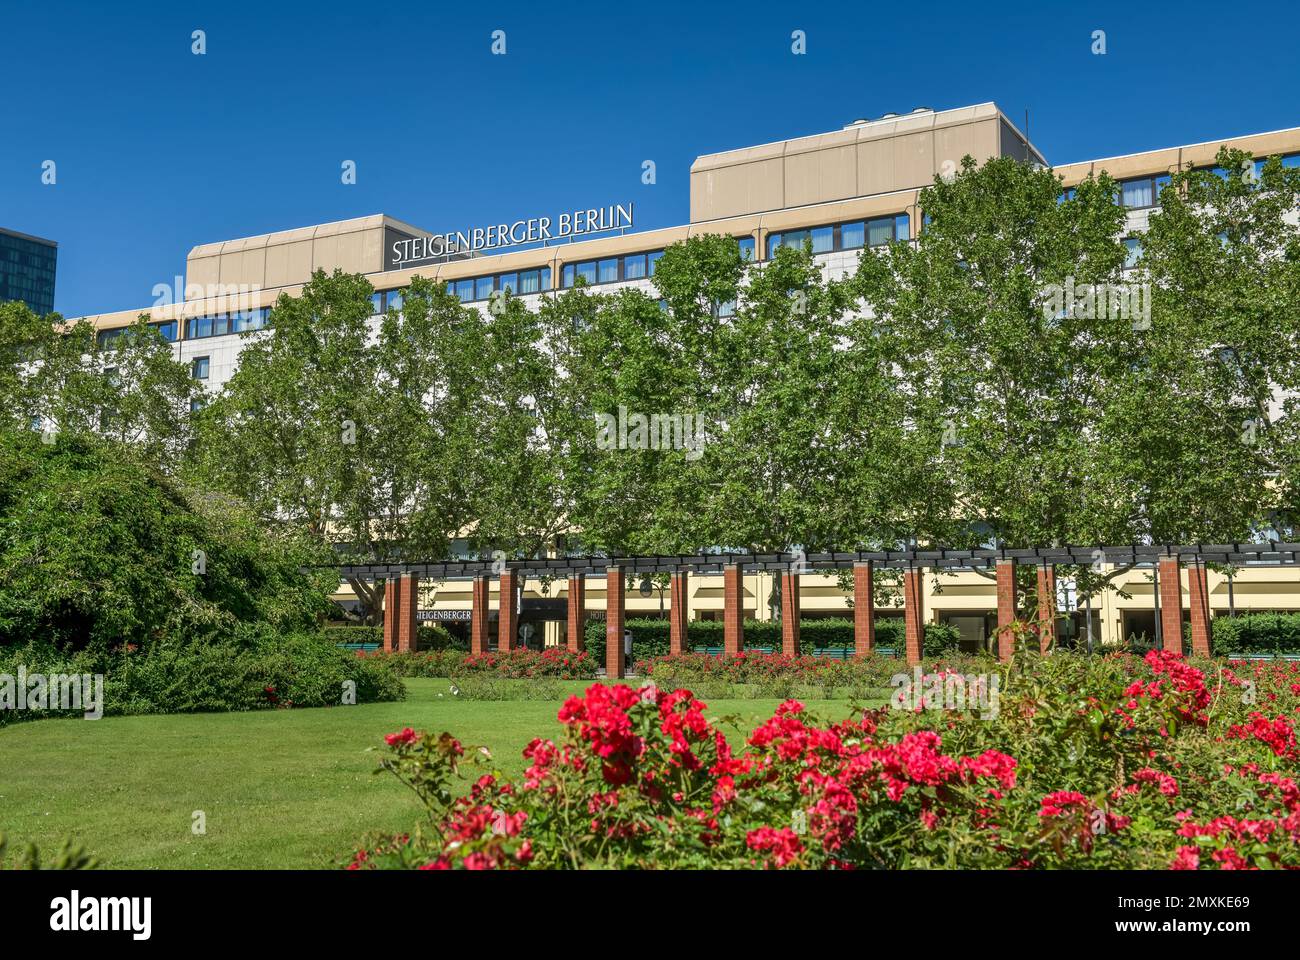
{"x": 371, "y": 598}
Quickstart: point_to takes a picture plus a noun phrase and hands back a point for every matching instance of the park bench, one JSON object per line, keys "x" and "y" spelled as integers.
{"x": 848, "y": 653}
{"x": 1264, "y": 656}
{"x": 834, "y": 653}
{"x": 718, "y": 651}
{"x": 363, "y": 647}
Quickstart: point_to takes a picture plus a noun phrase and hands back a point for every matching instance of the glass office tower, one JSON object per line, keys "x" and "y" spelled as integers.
{"x": 27, "y": 270}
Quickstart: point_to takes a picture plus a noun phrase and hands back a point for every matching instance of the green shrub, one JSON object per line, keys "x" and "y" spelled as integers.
{"x": 431, "y": 636}
{"x": 353, "y": 633}
{"x": 258, "y": 669}
{"x": 650, "y": 636}
{"x": 101, "y": 550}
{"x": 424, "y": 663}
{"x": 1254, "y": 633}
{"x": 554, "y": 662}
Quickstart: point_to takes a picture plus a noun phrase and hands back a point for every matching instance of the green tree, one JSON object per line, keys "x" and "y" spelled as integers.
{"x": 363, "y": 437}
{"x": 1189, "y": 422}
{"x": 531, "y": 434}
{"x": 99, "y": 548}
{"x": 57, "y": 377}
{"x": 145, "y": 395}
{"x": 1001, "y": 391}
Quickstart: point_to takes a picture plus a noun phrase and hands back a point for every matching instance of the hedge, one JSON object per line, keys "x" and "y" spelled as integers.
{"x": 1254, "y": 633}
{"x": 650, "y": 635}
{"x": 259, "y": 669}
{"x": 433, "y": 636}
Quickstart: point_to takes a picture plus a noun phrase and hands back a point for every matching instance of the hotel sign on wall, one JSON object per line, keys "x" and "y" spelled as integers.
{"x": 413, "y": 251}
{"x": 443, "y": 616}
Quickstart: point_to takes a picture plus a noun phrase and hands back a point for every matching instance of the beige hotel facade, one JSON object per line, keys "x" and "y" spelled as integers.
{"x": 843, "y": 190}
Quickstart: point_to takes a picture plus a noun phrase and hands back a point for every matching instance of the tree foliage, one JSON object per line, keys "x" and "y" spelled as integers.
{"x": 99, "y": 549}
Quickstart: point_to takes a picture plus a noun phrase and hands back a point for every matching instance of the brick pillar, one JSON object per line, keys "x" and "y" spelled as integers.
{"x": 789, "y": 613}
{"x": 1199, "y": 587}
{"x": 392, "y": 603}
{"x": 1006, "y": 573}
{"x": 678, "y": 613}
{"x": 614, "y": 665}
{"x": 864, "y": 609}
{"x": 577, "y": 612}
{"x": 479, "y": 638}
{"x": 1171, "y": 605}
{"x": 1046, "y": 607}
{"x": 507, "y": 611}
{"x": 914, "y": 613}
{"x": 408, "y": 636}
{"x": 733, "y": 616}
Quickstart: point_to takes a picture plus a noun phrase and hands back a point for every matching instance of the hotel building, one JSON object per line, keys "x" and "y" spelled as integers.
{"x": 843, "y": 190}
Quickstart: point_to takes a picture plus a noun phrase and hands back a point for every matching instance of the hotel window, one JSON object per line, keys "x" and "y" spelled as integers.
{"x": 634, "y": 267}
{"x": 483, "y": 288}
{"x": 880, "y": 232}
{"x": 746, "y": 245}
{"x": 217, "y": 325}
{"x": 167, "y": 330}
{"x": 465, "y": 290}
{"x": 393, "y": 300}
{"x": 199, "y": 368}
{"x": 1067, "y": 193}
{"x": 791, "y": 238}
{"x": 845, "y": 236}
{"x": 508, "y": 282}
{"x": 1143, "y": 192}
{"x": 530, "y": 281}
{"x": 197, "y": 404}
{"x": 1291, "y": 160}
{"x": 106, "y": 338}
{"x": 250, "y": 320}
{"x": 376, "y": 303}
{"x": 1134, "y": 247}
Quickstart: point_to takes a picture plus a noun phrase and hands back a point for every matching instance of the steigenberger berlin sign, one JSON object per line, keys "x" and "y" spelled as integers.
{"x": 443, "y": 616}
{"x": 411, "y": 251}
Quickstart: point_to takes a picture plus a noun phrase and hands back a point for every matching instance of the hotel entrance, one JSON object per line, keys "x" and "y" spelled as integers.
{"x": 534, "y": 615}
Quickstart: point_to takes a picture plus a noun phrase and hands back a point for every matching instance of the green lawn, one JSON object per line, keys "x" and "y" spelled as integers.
{"x": 279, "y": 788}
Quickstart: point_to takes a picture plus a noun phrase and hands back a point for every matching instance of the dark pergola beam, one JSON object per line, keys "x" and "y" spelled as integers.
{"x": 1258, "y": 554}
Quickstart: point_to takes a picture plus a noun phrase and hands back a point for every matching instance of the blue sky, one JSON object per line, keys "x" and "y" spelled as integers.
{"x": 158, "y": 150}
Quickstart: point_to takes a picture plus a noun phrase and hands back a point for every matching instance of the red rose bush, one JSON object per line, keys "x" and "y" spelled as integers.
{"x": 1113, "y": 762}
